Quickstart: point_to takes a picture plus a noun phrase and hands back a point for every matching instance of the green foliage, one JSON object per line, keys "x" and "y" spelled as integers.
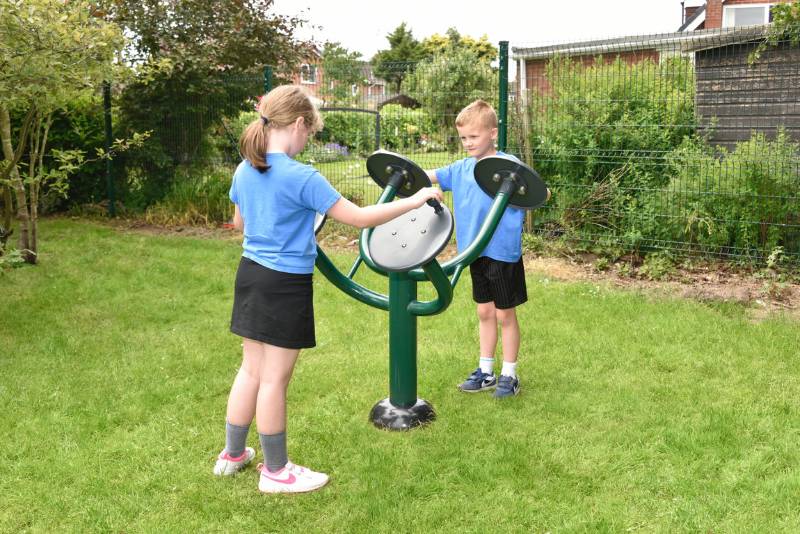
{"x": 785, "y": 27}
{"x": 51, "y": 52}
{"x": 657, "y": 266}
{"x": 446, "y": 83}
{"x": 80, "y": 124}
{"x": 403, "y": 128}
{"x": 342, "y": 69}
{"x": 197, "y": 61}
{"x": 198, "y": 196}
{"x": 744, "y": 200}
{"x": 400, "y": 58}
{"x": 439, "y": 44}
{"x": 598, "y": 118}
{"x": 354, "y": 130}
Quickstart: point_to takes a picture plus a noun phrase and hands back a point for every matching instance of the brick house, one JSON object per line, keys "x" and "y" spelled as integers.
{"x": 310, "y": 72}
{"x": 727, "y": 14}
{"x": 311, "y": 75}
{"x": 714, "y": 15}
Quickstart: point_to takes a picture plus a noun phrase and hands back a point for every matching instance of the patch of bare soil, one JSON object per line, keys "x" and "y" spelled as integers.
{"x": 760, "y": 292}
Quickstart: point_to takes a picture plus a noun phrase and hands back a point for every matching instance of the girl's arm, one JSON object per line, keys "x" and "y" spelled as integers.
{"x": 238, "y": 222}
{"x": 369, "y": 216}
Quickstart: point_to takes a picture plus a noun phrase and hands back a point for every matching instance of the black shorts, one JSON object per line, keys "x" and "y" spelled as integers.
{"x": 498, "y": 281}
{"x": 273, "y": 307}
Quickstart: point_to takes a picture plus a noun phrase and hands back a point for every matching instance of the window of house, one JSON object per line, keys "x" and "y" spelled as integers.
{"x": 308, "y": 73}
{"x": 354, "y": 89}
{"x": 746, "y": 15}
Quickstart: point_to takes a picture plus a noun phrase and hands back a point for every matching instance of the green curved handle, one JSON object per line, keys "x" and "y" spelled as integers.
{"x": 357, "y": 291}
{"x": 443, "y": 289}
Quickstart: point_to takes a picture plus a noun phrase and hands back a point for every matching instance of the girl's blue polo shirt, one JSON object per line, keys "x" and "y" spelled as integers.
{"x": 471, "y": 205}
{"x": 278, "y": 208}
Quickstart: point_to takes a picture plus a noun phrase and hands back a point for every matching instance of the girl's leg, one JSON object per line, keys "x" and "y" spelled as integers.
{"x": 242, "y": 399}
{"x": 240, "y": 412}
{"x": 277, "y": 365}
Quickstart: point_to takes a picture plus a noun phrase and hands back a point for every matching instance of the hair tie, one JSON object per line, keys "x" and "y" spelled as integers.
{"x": 264, "y": 120}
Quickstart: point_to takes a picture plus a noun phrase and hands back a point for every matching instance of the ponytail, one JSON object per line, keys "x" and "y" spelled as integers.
{"x": 278, "y": 109}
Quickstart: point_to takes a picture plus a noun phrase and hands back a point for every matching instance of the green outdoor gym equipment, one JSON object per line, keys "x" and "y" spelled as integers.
{"x": 405, "y": 250}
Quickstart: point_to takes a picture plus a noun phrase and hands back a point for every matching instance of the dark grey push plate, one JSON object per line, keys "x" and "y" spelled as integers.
{"x": 411, "y": 240}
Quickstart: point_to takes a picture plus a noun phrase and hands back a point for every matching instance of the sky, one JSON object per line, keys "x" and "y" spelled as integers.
{"x": 362, "y": 26}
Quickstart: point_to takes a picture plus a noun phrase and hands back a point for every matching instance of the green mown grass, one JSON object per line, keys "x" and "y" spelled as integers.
{"x": 637, "y": 413}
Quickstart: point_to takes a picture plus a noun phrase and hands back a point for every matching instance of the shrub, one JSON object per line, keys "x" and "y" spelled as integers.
{"x": 198, "y": 196}
{"x": 742, "y": 202}
{"x": 354, "y": 130}
{"x": 403, "y": 128}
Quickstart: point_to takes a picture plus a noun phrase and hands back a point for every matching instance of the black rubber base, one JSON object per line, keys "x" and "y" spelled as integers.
{"x": 387, "y": 416}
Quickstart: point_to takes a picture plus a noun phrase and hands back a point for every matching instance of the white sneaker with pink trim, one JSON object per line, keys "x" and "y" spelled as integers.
{"x": 291, "y": 479}
{"x": 230, "y": 465}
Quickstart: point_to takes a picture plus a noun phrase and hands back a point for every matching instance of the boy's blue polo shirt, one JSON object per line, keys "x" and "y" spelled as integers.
{"x": 471, "y": 205}
{"x": 278, "y": 208}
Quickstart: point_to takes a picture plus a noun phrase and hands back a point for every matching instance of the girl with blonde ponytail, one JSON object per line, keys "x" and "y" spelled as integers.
{"x": 275, "y": 201}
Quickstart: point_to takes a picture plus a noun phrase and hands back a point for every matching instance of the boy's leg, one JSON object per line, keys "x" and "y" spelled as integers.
{"x": 509, "y": 330}
{"x": 487, "y": 329}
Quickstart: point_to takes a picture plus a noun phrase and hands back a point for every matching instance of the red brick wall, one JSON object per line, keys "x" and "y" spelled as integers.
{"x": 535, "y": 69}
{"x": 714, "y": 9}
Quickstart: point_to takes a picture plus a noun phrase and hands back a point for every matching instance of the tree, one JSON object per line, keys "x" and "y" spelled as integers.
{"x": 404, "y": 51}
{"x": 439, "y": 44}
{"x": 447, "y": 82}
{"x": 50, "y": 52}
{"x": 197, "y": 61}
{"x": 342, "y": 69}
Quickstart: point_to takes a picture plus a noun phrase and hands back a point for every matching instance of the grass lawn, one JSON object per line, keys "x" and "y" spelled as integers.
{"x": 636, "y": 414}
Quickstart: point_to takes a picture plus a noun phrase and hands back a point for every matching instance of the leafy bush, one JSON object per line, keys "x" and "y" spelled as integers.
{"x": 447, "y": 82}
{"x": 80, "y": 125}
{"x": 403, "y": 128}
{"x": 196, "y": 197}
{"x": 598, "y": 118}
{"x": 745, "y": 200}
{"x": 355, "y": 130}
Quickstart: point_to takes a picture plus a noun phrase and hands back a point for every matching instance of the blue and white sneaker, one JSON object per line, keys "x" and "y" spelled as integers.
{"x": 478, "y": 381}
{"x": 507, "y": 386}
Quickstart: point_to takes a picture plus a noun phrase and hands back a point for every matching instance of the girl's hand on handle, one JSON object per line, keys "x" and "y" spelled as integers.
{"x": 426, "y": 193}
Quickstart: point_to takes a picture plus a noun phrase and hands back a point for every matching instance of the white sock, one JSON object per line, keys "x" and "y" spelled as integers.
{"x": 509, "y": 369}
{"x": 487, "y": 364}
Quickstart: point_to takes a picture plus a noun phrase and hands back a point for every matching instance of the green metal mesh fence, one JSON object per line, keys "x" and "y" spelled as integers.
{"x": 673, "y": 142}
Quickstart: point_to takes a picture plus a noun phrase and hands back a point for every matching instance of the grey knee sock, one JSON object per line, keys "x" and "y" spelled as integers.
{"x": 274, "y": 446}
{"x": 235, "y": 439}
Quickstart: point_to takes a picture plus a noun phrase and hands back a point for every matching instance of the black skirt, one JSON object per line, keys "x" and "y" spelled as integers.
{"x": 273, "y": 307}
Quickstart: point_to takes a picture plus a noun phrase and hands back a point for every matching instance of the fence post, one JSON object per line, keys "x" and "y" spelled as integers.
{"x": 112, "y": 212}
{"x": 267, "y": 79}
{"x": 502, "y": 119}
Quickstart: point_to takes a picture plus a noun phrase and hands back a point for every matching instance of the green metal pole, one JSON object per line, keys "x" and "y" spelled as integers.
{"x": 112, "y": 212}
{"x": 267, "y": 79}
{"x": 402, "y": 341}
{"x": 502, "y": 118}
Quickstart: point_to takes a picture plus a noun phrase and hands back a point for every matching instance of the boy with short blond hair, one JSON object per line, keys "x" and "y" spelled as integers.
{"x": 498, "y": 275}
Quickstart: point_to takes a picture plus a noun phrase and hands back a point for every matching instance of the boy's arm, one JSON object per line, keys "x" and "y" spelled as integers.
{"x": 432, "y": 176}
